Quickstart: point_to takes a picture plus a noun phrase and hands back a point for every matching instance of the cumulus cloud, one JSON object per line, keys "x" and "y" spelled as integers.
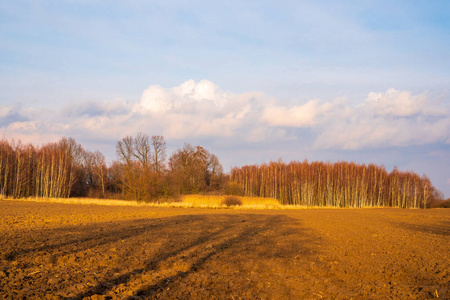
{"x": 156, "y": 99}
{"x": 392, "y": 118}
{"x": 190, "y": 110}
{"x": 202, "y": 110}
{"x": 305, "y": 115}
{"x": 396, "y": 103}
{"x": 383, "y": 119}
{"x": 188, "y": 97}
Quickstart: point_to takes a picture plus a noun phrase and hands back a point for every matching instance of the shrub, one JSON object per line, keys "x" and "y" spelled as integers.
{"x": 231, "y": 201}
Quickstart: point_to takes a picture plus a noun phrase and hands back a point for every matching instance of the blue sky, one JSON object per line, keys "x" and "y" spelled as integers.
{"x": 252, "y": 81}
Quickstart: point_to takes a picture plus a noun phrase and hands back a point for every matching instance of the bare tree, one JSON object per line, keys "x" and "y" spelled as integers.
{"x": 142, "y": 167}
{"x": 159, "y": 153}
{"x": 96, "y": 171}
{"x": 141, "y": 148}
{"x": 340, "y": 184}
{"x": 215, "y": 170}
{"x": 194, "y": 168}
{"x": 124, "y": 149}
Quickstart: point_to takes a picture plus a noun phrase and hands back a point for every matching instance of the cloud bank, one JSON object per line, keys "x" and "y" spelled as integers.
{"x": 201, "y": 110}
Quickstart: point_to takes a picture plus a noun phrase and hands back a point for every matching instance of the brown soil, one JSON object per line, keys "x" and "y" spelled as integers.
{"x": 61, "y": 251}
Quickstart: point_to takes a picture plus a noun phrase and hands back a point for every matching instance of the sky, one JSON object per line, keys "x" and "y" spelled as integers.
{"x": 251, "y": 81}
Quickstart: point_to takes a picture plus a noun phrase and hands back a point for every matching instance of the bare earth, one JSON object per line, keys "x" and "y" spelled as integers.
{"x": 61, "y": 251}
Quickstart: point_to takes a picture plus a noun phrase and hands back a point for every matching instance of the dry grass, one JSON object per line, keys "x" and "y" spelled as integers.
{"x": 186, "y": 201}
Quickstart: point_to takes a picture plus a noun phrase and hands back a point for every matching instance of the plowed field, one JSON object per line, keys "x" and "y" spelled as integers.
{"x": 62, "y": 251}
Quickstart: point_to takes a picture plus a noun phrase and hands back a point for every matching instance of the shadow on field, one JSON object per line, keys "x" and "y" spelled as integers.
{"x": 149, "y": 255}
{"x": 196, "y": 240}
{"x": 71, "y": 239}
{"x": 440, "y": 228}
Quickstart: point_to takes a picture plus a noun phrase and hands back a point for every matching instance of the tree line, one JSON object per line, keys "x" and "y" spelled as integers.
{"x": 340, "y": 184}
{"x": 141, "y": 172}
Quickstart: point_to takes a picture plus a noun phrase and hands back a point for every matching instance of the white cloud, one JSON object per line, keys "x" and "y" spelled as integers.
{"x": 396, "y": 103}
{"x": 188, "y": 97}
{"x": 156, "y": 99}
{"x": 202, "y": 110}
{"x": 393, "y": 118}
{"x": 306, "y": 115}
{"x": 295, "y": 116}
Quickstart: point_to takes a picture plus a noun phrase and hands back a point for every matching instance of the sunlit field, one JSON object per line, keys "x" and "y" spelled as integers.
{"x": 130, "y": 250}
